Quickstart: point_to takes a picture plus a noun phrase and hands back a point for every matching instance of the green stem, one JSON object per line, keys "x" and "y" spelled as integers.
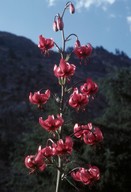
{"x": 58, "y": 180}
{"x": 62, "y": 99}
{"x": 73, "y": 34}
{"x": 72, "y": 184}
{"x": 63, "y": 43}
{"x": 59, "y": 164}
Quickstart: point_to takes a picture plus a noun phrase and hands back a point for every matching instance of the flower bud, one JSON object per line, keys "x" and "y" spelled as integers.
{"x": 60, "y": 24}
{"x": 55, "y": 26}
{"x": 77, "y": 43}
{"x": 71, "y": 8}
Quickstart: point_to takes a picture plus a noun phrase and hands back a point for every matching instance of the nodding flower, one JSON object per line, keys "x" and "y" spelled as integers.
{"x": 51, "y": 123}
{"x": 86, "y": 176}
{"x": 78, "y": 100}
{"x": 35, "y": 162}
{"x": 45, "y": 44}
{"x": 63, "y": 147}
{"x": 83, "y": 51}
{"x": 89, "y": 134}
{"x": 39, "y": 98}
{"x": 64, "y": 69}
{"x": 89, "y": 87}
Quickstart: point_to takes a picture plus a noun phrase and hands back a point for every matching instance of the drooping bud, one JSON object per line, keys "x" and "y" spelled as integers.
{"x": 60, "y": 24}
{"x": 55, "y": 26}
{"x": 71, "y": 8}
{"x": 77, "y": 43}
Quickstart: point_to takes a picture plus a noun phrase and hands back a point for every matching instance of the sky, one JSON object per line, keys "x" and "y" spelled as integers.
{"x": 104, "y": 23}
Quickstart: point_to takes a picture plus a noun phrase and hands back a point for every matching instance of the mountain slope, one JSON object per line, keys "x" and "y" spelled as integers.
{"x": 24, "y": 69}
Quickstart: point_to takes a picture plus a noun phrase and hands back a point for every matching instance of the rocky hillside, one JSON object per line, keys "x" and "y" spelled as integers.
{"x": 23, "y": 69}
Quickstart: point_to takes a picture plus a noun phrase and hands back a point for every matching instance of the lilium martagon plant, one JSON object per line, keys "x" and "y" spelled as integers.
{"x": 58, "y": 152}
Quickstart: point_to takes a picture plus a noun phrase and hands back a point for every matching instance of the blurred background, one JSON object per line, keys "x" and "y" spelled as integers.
{"x": 106, "y": 24}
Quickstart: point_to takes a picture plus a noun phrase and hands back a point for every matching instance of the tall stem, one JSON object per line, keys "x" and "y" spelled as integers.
{"x": 63, "y": 43}
{"x": 58, "y": 180}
